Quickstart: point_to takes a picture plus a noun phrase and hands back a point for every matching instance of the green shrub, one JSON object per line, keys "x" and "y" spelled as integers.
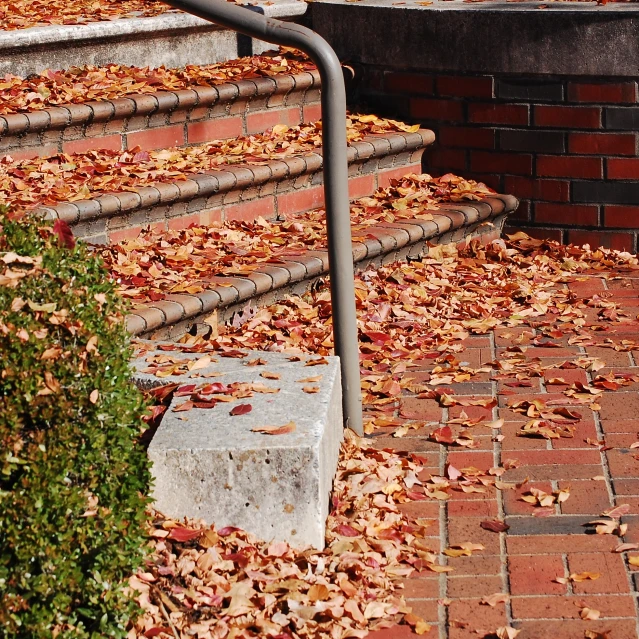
{"x": 73, "y": 477}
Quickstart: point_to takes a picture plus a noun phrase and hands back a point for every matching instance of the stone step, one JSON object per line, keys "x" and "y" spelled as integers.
{"x": 376, "y": 244}
{"x": 160, "y": 119}
{"x": 172, "y": 39}
{"x": 208, "y": 464}
{"x": 281, "y": 187}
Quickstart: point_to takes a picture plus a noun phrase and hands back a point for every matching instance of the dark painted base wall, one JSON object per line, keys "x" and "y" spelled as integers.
{"x": 566, "y": 146}
{"x": 542, "y": 104}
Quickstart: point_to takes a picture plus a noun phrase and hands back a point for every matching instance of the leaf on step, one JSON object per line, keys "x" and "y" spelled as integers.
{"x": 275, "y": 430}
{"x": 241, "y": 409}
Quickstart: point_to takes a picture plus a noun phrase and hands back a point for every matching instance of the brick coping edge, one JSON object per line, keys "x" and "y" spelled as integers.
{"x": 228, "y": 178}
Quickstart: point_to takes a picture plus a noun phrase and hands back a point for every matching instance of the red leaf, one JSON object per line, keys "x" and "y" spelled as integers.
{"x": 346, "y": 531}
{"x": 415, "y": 496}
{"x": 390, "y": 534}
{"x": 64, "y": 233}
{"x": 155, "y": 631}
{"x": 241, "y": 409}
{"x": 443, "y": 435}
{"x": 208, "y": 404}
{"x": 183, "y": 534}
{"x": 494, "y": 525}
{"x": 160, "y": 393}
{"x": 185, "y": 390}
{"x": 377, "y": 337}
{"x": 227, "y": 530}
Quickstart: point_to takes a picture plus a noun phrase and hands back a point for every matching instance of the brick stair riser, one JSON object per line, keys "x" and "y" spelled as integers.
{"x": 405, "y": 239}
{"x": 163, "y": 119}
{"x": 280, "y": 188}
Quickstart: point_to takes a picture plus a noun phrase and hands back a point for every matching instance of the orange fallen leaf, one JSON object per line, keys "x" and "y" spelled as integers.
{"x": 497, "y": 598}
{"x": 275, "y": 430}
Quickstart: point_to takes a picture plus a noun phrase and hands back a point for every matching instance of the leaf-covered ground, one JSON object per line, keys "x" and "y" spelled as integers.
{"x": 83, "y": 84}
{"x": 498, "y": 483}
{"x": 80, "y": 176}
{"x": 157, "y": 263}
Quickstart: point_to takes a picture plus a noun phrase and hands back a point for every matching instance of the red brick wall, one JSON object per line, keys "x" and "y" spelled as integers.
{"x": 566, "y": 146}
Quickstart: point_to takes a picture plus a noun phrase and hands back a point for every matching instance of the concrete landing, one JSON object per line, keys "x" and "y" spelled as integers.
{"x": 173, "y": 39}
{"x": 212, "y": 465}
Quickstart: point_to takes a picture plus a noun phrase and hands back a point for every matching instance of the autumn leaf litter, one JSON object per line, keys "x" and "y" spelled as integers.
{"x": 65, "y": 177}
{"x": 223, "y": 583}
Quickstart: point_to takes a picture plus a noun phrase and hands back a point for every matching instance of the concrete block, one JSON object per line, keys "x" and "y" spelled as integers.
{"x": 209, "y": 465}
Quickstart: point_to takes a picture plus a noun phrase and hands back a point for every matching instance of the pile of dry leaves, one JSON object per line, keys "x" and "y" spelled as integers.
{"x": 420, "y": 311}
{"x": 69, "y": 178}
{"x": 82, "y": 84}
{"x": 225, "y": 583}
{"x": 157, "y": 263}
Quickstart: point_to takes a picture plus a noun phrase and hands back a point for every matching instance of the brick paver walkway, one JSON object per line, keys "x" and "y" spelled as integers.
{"x": 541, "y": 543}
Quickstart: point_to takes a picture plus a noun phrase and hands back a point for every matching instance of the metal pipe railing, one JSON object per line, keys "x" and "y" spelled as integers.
{"x": 338, "y": 224}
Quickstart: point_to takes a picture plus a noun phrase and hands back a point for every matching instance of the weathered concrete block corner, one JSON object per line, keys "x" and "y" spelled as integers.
{"x": 210, "y": 465}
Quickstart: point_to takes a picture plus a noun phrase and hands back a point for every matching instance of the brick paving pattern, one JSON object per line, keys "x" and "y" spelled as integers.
{"x": 524, "y": 561}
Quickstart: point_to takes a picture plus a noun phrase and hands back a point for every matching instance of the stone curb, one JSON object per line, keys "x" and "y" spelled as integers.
{"x": 170, "y": 39}
{"x": 383, "y": 243}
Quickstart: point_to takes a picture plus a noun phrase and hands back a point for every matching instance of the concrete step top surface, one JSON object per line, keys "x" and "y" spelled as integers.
{"x": 210, "y": 464}
{"x": 379, "y": 243}
{"x": 170, "y": 21}
{"x": 173, "y": 39}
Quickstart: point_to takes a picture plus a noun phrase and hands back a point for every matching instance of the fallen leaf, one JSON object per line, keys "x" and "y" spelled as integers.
{"x": 275, "y": 430}
{"x": 589, "y": 614}
{"x": 183, "y": 534}
{"x": 497, "y": 598}
{"x": 618, "y": 511}
{"x": 241, "y": 409}
{"x": 494, "y": 525}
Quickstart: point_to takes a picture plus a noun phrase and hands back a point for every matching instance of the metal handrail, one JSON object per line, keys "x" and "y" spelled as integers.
{"x": 335, "y": 166}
